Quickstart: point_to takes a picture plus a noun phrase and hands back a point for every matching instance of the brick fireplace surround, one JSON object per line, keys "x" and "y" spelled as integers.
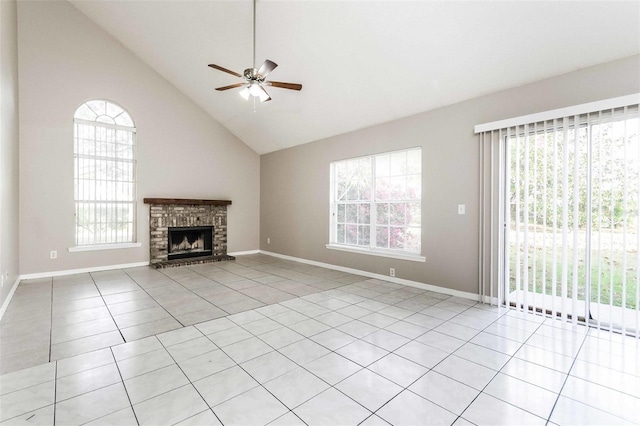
{"x": 174, "y": 212}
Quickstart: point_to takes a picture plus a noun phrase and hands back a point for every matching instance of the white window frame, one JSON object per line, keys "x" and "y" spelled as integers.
{"x": 371, "y": 249}
{"x": 100, "y": 122}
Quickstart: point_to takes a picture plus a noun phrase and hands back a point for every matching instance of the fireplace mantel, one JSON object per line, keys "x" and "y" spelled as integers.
{"x": 186, "y": 201}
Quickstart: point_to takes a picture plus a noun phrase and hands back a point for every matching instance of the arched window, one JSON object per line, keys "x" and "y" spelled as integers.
{"x": 105, "y": 174}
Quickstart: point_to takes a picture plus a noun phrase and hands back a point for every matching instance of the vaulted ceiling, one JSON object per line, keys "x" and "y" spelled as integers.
{"x": 361, "y": 63}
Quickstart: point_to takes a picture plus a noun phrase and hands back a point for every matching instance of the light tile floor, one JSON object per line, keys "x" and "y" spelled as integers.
{"x": 233, "y": 344}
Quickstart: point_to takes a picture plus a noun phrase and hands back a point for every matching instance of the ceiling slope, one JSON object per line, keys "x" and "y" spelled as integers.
{"x": 362, "y": 63}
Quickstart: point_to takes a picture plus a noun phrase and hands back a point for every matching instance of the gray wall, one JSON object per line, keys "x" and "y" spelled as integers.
{"x": 65, "y": 59}
{"x": 294, "y": 193}
{"x": 8, "y": 147}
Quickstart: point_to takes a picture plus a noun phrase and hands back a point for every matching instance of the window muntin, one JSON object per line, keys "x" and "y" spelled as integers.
{"x": 104, "y": 176}
{"x": 376, "y": 201}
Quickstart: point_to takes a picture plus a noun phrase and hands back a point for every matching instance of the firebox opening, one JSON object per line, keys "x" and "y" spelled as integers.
{"x": 190, "y": 242}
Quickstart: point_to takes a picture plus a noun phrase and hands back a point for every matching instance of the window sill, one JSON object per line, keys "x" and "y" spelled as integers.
{"x": 374, "y": 252}
{"x": 104, "y": 247}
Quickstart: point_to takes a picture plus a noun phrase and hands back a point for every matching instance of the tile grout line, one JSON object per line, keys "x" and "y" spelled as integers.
{"x": 108, "y": 310}
{"x": 135, "y": 416}
{"x": 55, "y": 392}
{"x": 51, "y": 322}
{"x": 188, "y": 378}
{"x": 566, "y": 379}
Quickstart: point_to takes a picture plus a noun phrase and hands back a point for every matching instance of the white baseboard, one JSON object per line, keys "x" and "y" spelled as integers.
{"x": 81, "y": 271}
{"x": 5, "y": 305}
{"x": 416, "y": 284}
{"x": 243, "y": 253}
{"x": 491, "y": 300}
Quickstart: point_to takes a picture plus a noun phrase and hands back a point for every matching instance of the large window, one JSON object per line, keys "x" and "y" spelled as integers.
{"x": 376, "y": 203}
{"x": 105, "y": 185}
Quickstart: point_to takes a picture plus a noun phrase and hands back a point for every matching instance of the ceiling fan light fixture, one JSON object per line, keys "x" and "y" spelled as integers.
{"x": 255, "y": 89}
{"x": 245, "y": 93}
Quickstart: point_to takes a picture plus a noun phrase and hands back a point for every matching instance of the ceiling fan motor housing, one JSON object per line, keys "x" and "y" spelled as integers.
{"x": 252, "y": 74}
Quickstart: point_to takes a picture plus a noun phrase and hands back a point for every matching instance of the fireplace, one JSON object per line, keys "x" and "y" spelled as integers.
{"x": 187, "y": 231}
{"x": 185, "y": 242}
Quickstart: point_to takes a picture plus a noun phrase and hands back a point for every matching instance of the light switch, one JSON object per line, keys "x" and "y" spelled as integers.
{"x": 461, "y": 208}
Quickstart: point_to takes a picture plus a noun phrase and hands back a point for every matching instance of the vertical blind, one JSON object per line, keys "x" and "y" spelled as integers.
{"x": 559, "y": 214}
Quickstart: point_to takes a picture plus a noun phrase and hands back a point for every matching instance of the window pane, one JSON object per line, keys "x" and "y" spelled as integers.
{"x": 382, "y": 236}
{"x": 341, "y": 191}
{"x": 364, "y": 213}
{"x": 364, "y": 189}
{"x": 412, "y": 240}
{"x": 340, "y": 171}
{"x": 397, "y": 213}
{"x": 85, "y": 113}
{"x": 352, "y": 191}
{"x": 124, "y": 120}
{"x": 352, "y": 234}
{"x": 414, "y": 161}
{"x": 398, "y": 188}
{"x": 396, "y": 237}
{"x": 383, "y": 191}
{"x": 99, "y": 107}
{"x": 364, "y": 235}
{"x": 364, "y": 168}
{"x": 113, "y": 110}
{"x": 398, "y": 164}
{"x": 352, "y": 213}
{"x": 341, "y": 233}
{"x": 341, "y": 213}
{"x": 414, "y": 215}
{"x": 382, "y": 213}
{"x": 414, "y": 187}
{"x": 382, "y": 165}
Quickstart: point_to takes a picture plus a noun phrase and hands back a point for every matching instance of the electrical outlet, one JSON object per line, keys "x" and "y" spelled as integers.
{"x": 53, "y": 254}
{"x": 392, "y": 272}
{"x": 268, "y": 240}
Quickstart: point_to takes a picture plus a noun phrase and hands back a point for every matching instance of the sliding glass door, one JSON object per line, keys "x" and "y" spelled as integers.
{"x": 571, "y": 241}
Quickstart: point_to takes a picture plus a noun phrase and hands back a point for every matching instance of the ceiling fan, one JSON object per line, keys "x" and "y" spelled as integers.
{"x": 255, "y": 78}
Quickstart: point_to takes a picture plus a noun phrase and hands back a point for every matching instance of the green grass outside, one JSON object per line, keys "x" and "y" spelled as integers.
{"x": 611, "y": 275}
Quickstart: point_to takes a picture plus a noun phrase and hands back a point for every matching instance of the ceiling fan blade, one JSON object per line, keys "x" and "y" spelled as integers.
{"x": 267, "y": 67}
{"x": 231, "y": 86}
{"x": 218, "y": 67}
{"x": 291, "y": 86}
{"x": 264, "y": 96}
